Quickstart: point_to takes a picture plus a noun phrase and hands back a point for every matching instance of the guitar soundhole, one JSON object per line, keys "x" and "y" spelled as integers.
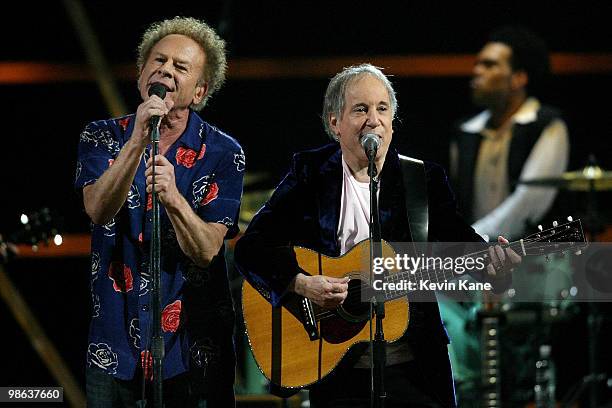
{"x": 349, "y": 318}
{"x": 337, "y": 330}
{"x": 353, "y": 308}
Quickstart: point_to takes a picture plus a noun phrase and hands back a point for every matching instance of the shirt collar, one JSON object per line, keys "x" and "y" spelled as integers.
{"x": 527, "y": 113}
{"x": 194, "y": 132}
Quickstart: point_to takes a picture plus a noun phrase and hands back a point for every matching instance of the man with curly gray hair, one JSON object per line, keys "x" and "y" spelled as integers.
{"x": 198, "y": 180}
{"x": 212, "y": 74}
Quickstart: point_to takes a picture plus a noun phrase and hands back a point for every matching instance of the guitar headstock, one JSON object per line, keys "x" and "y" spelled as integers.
{"x": 558, "y": 238}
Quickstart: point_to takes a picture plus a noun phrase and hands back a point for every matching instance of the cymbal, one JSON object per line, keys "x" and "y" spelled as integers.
{"x": 590, "y": 178}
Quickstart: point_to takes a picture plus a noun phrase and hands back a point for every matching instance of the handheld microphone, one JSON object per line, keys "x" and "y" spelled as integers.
{"x": 159, "y": 90}
{"x": 370, "y": 143}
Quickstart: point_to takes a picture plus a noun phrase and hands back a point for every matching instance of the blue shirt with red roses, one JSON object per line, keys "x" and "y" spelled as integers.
{"x": 198, "y": 315}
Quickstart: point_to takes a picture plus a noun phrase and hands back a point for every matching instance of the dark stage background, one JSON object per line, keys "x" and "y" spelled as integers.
{"x": 271, "y": 118}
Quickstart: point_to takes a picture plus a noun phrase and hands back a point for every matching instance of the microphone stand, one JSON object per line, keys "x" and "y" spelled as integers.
{"x": 157, "y": 341}
{"x": 377, "y": 305}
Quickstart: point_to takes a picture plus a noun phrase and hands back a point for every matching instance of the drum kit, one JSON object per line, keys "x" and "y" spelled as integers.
{"x": 533, "y": 326}
{"x": 591, "y": 180}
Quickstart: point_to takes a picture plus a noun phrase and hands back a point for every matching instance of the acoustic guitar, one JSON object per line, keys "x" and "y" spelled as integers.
{"x": 299, "y": 343}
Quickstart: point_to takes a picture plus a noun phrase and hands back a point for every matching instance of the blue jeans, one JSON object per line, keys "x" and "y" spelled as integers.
{"x": 106, "y": 391}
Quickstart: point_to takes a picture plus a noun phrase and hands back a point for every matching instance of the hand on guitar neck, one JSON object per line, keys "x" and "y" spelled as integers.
{"x": 503, "y": 259}
{"x": 326, "y": 291}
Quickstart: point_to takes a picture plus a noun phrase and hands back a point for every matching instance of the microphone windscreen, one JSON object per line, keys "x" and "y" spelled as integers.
{"x": 158, "y": 89}
{"x": 370, "y": 141}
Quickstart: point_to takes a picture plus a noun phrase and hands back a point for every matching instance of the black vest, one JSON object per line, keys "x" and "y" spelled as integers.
{"x": 524, "y": 137}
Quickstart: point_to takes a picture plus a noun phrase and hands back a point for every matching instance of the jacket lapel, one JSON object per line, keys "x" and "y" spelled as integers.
{"x": 388, "y": 189}
{"x": 329, "y": 192}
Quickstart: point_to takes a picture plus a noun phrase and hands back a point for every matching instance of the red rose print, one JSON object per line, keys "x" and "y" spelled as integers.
{"x": 140, "y": 237}
{"x": 146, "y": 361}
{"x": 121, "y": 275}
{"x": 124, "y": 123}
{"x": 186, "y": 157}
{"x": 213, "y": 192}
{"x": 171, "y": 316}
{"x": 202, "y": 151}
{"x": 149, "y": 201}
{"x": 110, "y": 162}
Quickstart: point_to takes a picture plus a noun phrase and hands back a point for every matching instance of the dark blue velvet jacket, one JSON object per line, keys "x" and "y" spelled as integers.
{"x": 304, "y": 211}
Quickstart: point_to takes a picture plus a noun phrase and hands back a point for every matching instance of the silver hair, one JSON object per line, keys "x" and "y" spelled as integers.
{"x": 213, "y": 46}
{"x": 336, "y": 90}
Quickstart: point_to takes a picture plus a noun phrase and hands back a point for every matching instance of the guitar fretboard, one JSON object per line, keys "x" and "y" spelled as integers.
{"x": 553, "y": 240}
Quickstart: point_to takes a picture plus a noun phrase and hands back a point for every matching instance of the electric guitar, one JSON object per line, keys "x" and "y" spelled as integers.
{"x": 299, "y": 343}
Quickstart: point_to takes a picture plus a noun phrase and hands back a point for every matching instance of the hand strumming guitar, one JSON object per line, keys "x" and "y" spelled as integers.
{"x": 325, "y": 291}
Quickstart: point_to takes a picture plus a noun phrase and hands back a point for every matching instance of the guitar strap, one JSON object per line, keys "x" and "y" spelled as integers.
{"x": 415, "y": 190}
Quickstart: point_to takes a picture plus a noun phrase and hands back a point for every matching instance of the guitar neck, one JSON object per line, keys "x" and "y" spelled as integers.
{"x": 556, "y": 239}
{"x": 432, "y": 275}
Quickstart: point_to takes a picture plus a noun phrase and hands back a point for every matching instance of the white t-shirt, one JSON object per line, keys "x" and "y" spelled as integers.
{"x": 353, "y": 226}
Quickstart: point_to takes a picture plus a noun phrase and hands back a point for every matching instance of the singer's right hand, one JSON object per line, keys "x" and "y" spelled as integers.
{"x": 326, "y": 291}
{"x": 154, "y": 106}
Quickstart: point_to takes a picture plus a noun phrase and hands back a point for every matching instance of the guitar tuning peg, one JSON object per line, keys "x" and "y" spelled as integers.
{"x": 570, "y": 218}
{"x": 555, "y": 223}
{"x": 578, "y": 252}
{"x": 540, "y": 227}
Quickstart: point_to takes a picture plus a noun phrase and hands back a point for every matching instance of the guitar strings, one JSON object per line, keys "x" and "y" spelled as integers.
{"x": 421, "y": 272}
{"x": 364, "y": 286}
